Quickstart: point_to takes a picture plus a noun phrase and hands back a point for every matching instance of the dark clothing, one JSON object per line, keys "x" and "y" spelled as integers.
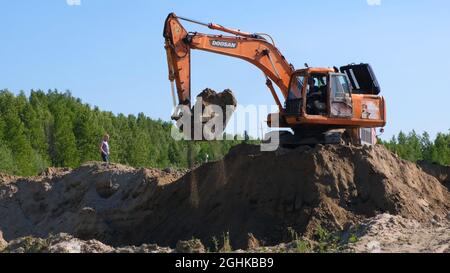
{"x": 316, "y": 95}
{"x": 104, "y": 150}
{"x": 105, "y": 157}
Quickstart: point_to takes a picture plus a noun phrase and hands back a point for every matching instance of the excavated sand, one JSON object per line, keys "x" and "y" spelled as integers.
{"x": 208, "y": 101}
{"x": 247, "y": 192}
{"x": 442, "y": 173}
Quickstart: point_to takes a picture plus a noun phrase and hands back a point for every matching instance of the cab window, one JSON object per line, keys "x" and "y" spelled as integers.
{"x": 317, "y": 83}
{"x": 340, "y": 96}
{"x": 295, "y": 91}
{"x": 316, "y": 94}
{"x": 340, "y": 88}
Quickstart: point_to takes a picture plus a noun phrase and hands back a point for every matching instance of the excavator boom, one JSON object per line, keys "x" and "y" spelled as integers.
{"x": 252, "y": 48}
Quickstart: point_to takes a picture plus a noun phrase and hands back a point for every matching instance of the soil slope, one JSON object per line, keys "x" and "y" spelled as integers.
{"x": 247, "y": 192}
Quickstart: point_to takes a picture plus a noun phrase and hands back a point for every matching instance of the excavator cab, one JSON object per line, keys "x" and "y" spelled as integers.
{"x": 331, "y": 93}
{"x": 324, "y": 93}
{"x": 324, "y": 100}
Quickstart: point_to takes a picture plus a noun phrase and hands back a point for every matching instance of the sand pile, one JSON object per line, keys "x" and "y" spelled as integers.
{"x": 442, "y": 173}
{"x": 249, "y": 192}
{"x": 265, "y": 193}
{"x": 94, "y": 201}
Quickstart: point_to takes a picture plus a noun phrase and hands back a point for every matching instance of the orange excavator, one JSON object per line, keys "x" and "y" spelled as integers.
{"x": 321, "y": 105}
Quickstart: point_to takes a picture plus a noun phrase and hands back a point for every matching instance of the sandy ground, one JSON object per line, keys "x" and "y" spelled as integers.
{"x": 394, "y": 234}
{"x": 384, "y": 233}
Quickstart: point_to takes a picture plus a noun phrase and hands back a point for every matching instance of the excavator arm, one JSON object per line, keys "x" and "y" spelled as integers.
{"x": 253, "y": 48}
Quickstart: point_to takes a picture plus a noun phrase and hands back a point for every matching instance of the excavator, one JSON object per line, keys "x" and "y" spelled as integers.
{"x": 321, "y": 105}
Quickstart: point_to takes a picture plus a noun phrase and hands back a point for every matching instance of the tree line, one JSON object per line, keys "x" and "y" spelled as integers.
{"x": 56, "y": 129}
{"x": 415, "y": 147}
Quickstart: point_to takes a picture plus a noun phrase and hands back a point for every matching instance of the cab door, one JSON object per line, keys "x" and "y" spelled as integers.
{"x": 340, "y": 96}
{"x": 294, "y": 102}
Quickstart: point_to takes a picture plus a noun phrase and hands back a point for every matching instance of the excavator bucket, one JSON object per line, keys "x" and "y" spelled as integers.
{"x": 210, "y": 109}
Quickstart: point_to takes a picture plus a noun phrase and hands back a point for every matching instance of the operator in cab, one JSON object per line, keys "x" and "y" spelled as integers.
{"x": 316, "y": 96}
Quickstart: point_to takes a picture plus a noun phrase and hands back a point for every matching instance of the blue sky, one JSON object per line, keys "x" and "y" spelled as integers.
{"x": 110, "y": 52}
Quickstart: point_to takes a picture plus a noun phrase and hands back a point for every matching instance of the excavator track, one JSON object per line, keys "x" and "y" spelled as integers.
{"x": 311, "y": 137}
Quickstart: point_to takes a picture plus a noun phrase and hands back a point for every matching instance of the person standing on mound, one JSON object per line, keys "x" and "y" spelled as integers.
{"x": 104, "y": 149}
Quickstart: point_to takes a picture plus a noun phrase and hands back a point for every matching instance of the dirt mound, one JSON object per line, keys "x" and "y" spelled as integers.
{"x": 442, "y": 173}
{"x": 248, "y": 192}
{"x": 264, "y": 193}
{"x": 94, "y": 201}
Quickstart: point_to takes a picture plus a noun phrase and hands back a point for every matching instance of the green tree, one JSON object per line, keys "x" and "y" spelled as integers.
{"x": 87, "y": 136}
{"x": 441, "y": 151}
{"x": 14, "y": 133}
{"x": 426, "y": 147}
{"x": 413, "y": 147}
{"x": 7, "y": 164}
{"x": 65, "y": 149}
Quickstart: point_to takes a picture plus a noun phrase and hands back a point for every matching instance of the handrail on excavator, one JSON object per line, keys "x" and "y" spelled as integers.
{"x": 219, "y": 27}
